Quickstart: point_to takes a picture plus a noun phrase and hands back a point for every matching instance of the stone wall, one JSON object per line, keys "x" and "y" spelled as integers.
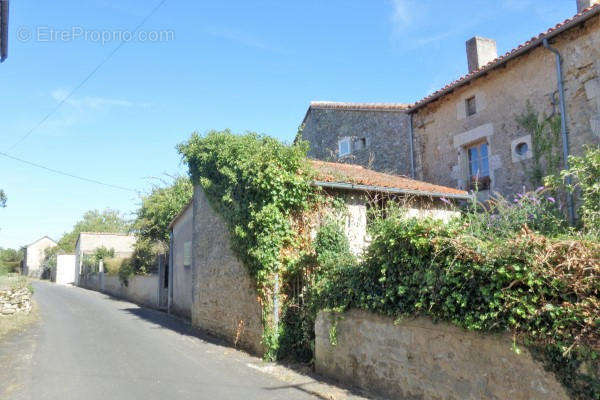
{"x": 15, "y": 300}
{"x": 181, "y": 281}
{"x": 417, "y": 359}
{"x": 386, "y": 134}
{"x": 443, "y": 130}
{"x": 224, "y": 297}
{"x": 141, "y": 289}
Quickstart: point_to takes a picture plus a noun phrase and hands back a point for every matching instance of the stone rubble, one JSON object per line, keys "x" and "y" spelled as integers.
{"x": 15, "y": 300}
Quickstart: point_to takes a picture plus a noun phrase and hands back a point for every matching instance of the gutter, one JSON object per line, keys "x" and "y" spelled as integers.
{"x": 563, "y": 126}
{"x": 3, "y": 30}
{"x": 382, "y": 189}
{"x": 410, "y": 141}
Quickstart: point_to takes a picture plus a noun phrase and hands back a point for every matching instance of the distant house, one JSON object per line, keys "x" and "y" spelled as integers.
{"x": 224, "y": 297}
{"x": 180, "y": 263}
{"x": 88, "y": 242}
{"x": 33, "y": 256}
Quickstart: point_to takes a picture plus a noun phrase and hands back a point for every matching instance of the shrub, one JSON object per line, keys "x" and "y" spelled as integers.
{"x": 585, "y": 175}
{"x": 542, "y": 290}
{"x": 114, "y": 264}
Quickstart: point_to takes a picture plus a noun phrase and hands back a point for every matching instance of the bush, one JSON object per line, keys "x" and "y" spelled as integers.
{"x": 114, "y": 264}
{"x": 542, "y": 290}
{"x": 585, "y": 175}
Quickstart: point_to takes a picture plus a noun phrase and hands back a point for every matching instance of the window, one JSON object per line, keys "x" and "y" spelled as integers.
{"x": 521, "y": 148}
{"x": 471, "y": 106}
{"x": 344, "y": 147}
{"x": 479, "y": 167}
{"x": 360, "y": 144}
{"x": 187, "y": 254}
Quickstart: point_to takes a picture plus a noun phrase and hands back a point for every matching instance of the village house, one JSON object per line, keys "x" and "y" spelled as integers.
{"x": 180, "y": 263}
{"x": 466, "y": 134}
{"x": 224, "y": 297}
{"x": 34, "y": 255}
{"x": 88, "y": 242}
{"x": 63, "y": 273}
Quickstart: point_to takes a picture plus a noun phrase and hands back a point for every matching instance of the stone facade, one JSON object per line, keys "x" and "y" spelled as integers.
{"x": 15, "y": 300}
{"x": 224, "y": 297}
{"x": 140, "y": 289}
{"x": 482, "y": 110}
{"x": 385, "y": 133}
{"x": 180, "y": 296}
{"x": 417, "y": 359}
{"x": 33, "y": 256}
{"x": 443, "y": 130}
{"x": 87, "y": 243}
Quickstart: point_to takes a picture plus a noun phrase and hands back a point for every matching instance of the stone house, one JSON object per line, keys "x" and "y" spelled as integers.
{"x": 180, "y": 263}
{"x": 224, "y": 297}
{"x": 33, "y": 257}
{"x": 88, "y": 242}
{"x": 466, "y": 134}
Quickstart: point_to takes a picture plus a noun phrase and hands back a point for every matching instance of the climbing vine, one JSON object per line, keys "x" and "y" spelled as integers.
{"x": 258, "y": 185}
{"x": 545, "y": 142}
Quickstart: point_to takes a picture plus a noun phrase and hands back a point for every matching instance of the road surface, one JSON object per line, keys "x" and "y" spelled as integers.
{"x": 89, "y": 346}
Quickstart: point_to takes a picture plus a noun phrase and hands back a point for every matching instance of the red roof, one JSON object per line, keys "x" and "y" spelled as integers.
{"x": 331, "y": 172}
{"x": 521, "y": 49}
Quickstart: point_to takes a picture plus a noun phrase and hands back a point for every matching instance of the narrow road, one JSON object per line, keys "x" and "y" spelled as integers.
{"x": 89, "y": 346}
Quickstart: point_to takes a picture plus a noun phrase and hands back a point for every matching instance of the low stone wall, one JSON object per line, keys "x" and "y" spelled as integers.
{"x": 141, "y": 289}
{"x": 417, "y": 359}
{"x": 15, "y": 300}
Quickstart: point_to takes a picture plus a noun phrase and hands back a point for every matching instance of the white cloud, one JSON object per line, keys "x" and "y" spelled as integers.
{"x": 89, "y": 102}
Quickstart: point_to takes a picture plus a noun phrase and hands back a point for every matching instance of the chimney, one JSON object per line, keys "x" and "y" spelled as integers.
{"x": 481, "y": 51}
{"x": 583, "y": 4}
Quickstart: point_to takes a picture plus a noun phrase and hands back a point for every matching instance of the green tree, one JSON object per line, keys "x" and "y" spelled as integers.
{"x": 2, "y": 199}
{"x": 10, "y": 260}
{"x": 108, "y": 220}
{"x": 160, "y": 206}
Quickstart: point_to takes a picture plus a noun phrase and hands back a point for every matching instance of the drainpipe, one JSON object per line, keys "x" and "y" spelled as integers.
{"x": 410, "y": 140}
{"x": 563, "y": 126}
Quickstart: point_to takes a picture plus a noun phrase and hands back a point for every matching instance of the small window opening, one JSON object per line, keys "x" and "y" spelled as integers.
{"x": 521, "y": 149}
{"x": 479, "y": 167}
{"x": 471, "y": 106}
{"x": 361, "y": 144}
{"x": 344, "y": 147}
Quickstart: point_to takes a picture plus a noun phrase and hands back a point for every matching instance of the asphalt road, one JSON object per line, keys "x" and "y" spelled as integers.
{"x": 89, "y": 346}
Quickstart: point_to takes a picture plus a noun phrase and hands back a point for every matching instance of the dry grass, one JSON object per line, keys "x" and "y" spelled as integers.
{"x": 19, "y": 322}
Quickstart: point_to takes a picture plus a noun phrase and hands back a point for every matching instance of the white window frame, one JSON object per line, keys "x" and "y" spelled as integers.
{"x": 345, "y": 140}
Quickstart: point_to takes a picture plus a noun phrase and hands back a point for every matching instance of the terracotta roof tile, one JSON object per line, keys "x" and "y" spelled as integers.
{"x": 528, "y": 45}
{"x": 332, "y": 105}
{"x": 355, "y": 174}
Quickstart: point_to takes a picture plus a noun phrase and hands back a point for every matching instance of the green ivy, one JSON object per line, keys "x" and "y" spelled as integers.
{"x": 257, "y": 184}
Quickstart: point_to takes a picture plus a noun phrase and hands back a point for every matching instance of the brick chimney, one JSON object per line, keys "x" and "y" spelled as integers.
{"x": 583, "y": 4}
{"x": 481, "y": 51}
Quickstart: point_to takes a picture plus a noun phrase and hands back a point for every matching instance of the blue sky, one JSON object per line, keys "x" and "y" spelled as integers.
{"x": 244, "y": 65}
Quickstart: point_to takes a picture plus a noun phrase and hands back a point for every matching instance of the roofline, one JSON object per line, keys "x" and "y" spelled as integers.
{"x": 343, "y": 106}
{"x": 43, "y": 237}
{"x": 538, "y": 41}
{"x": 183, "y": 210}
{"x": 368, "y": 188}
{"x": 101, "y": 233}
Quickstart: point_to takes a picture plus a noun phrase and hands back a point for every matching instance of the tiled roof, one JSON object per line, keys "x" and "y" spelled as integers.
{"x": 332, "y": 105}
{"x": 362, "y": 178}
{"x": 521, "y": 49}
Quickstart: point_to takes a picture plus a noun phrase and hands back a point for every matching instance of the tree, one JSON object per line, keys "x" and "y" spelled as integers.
{"x": 160, "y": 207}
{"x": 108, "y": 220}
{"x": 10, "y": 260}
{"x": 2, "y": 199}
